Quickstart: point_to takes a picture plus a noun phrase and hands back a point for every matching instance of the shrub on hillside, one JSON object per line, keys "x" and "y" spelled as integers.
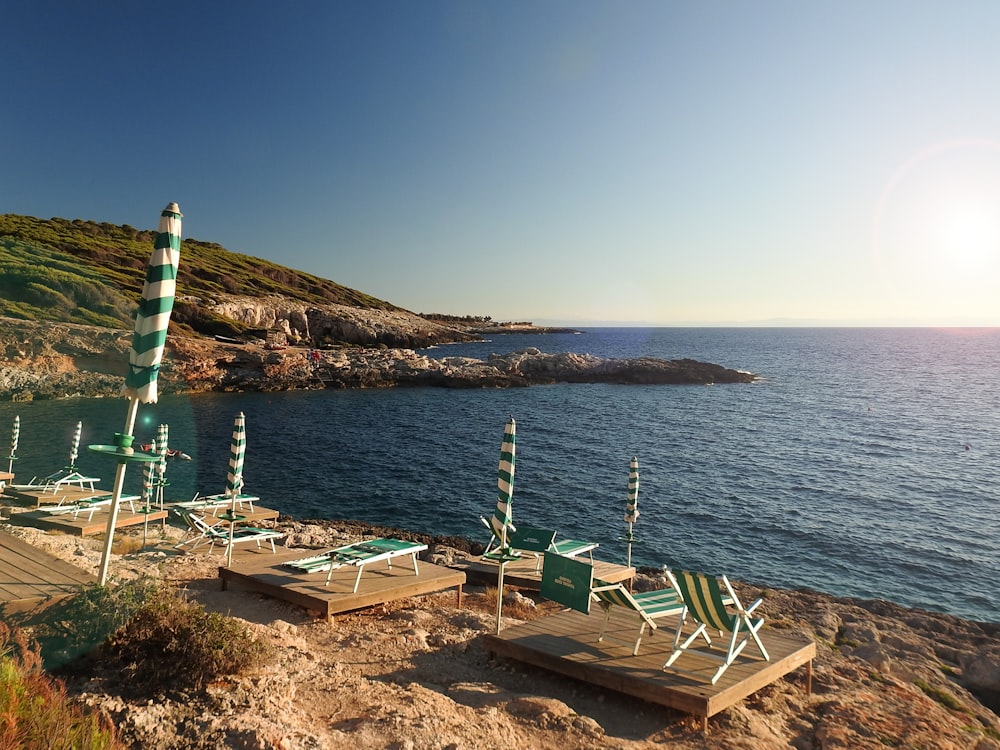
{"x": 35, "y": 712}
{"x": 173, "y": 644}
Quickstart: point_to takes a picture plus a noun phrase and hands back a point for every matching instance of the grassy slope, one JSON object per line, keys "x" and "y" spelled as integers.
{"x": 85, "y": 272}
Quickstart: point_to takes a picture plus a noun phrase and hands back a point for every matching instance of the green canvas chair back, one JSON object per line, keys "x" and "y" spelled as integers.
{"x": 705, "y": 601}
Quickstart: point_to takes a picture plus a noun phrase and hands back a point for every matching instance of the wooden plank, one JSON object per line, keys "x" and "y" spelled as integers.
{"x": 33, "y": 579}
{"x": 567, "y": 643}
{"x": 81, "y": 525}
{"x": 379, "y": 583}
{"x": 64, "y": 495}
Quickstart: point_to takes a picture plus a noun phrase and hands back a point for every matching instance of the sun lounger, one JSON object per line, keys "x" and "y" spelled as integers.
{"x": 88, "y": 505}
{"x": 539, "y": 541}
{"x": 359, "y": 555}
{"x": 54, "y": 482}
{"x": 215, "y": 503}
{"x": 200, "y": 531}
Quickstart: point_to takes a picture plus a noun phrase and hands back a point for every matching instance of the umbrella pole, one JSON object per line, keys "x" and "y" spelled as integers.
{"x": 502, "y": 563}
{"x": 232, "y": 524}
{"x": 116, "y": 496}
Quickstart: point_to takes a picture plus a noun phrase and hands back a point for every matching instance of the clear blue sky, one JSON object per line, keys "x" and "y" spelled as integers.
{"x": 556, "y": 161}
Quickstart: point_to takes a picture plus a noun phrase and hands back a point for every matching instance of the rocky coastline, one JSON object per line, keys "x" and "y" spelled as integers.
{"x": 416, "y": 673}
{"x": 45, "y": 360}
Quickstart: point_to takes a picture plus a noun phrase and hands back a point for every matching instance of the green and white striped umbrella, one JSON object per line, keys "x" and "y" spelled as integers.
{"x": 15, "y": 436}
{"x": 503, "y": 519}
{"x": 148, "y": 479}
{"x": 155, "y": 306}
{"x": 237, "y": 450}
{"x": 74, "y": 448}
{"x": 632, "y": 505}
{"x": 161, "y": 448}
{"x": 234, "y": 480}
{"x": 148, "y": 340}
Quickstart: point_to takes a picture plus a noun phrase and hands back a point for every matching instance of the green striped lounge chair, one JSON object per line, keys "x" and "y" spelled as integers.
{"x": 200, "y": 531}
{"x": 712, "y": 604}
{"x": 649, "y": 606}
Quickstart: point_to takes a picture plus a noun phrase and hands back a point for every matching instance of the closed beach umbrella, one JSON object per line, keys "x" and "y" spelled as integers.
{"x": 148, "y": 483}
{"x": 74, "y": 448}
{"x": 148, "y": 339}
{"x": 15, "y": 434}
{"x": 161, "y": 466}
{"x": 162, "y": 433}
{"x": 155, "y": 306}
{"x": 148, "y": 479}
{"x": 502, "y": 518}
{"x": 632, "y": 504}
{"x": 234, "y": 479}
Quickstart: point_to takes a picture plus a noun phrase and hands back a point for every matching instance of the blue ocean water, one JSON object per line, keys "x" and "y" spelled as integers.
{"x": 865, "y": 462}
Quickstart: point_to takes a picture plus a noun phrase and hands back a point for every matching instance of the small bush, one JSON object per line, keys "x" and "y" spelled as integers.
{"x": 172, "y": 644}
{"x": 35, "y": 712}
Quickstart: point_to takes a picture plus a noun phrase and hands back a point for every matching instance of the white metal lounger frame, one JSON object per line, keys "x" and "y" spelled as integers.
{"x": 358, "y": 554}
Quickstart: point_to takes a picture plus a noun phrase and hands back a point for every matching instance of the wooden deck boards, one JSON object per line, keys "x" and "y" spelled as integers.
{"x": 262, "y": 571}
{"x": 31, "y": 579}
{"x": 64, "y": 495}
{"x": 522, "y": 574}
{"x": 567, "y": 643}
{"x": 83, "y": 524}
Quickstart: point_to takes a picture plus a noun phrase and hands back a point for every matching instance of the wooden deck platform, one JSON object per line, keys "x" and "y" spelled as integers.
{"x": 31, "y": 580}
{"x": 35, "y": 498}
{"x": 263, "y": 572}
{"x": 522, "y": 574}
{"x": 83, "y": 524}
{"x": 567, "y": 643}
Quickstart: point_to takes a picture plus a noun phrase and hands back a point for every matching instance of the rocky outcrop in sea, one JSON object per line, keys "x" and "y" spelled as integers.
{"x": 60, "y": 360}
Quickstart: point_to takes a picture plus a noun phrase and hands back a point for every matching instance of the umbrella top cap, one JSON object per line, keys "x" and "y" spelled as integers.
{"x": 174, "y": 209}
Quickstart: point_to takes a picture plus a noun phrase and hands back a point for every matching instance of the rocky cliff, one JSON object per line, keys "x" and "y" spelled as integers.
{"x": 316, "y": 325}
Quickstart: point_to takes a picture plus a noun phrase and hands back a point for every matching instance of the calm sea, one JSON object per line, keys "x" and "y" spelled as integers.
{"x": 866, "y": 462}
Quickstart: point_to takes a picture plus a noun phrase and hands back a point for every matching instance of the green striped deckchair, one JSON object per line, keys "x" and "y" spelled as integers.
{"x": 712, "y": 603}
{"x": 649, "y": 605}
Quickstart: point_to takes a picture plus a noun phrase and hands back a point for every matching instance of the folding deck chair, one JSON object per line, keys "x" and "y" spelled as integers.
{"x": 709, "y": 605}
{"x": 359, "y": 555}
{"x": 200, "y": 531}
{"x": 537, "y": 542}
{"x": 648, "y": 605}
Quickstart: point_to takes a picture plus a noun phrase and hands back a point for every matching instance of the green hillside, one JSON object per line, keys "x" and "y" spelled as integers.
{"x": 87, "y": 272}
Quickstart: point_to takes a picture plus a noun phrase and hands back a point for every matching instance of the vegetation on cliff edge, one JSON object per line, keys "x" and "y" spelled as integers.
{"x": 87, "y": 272}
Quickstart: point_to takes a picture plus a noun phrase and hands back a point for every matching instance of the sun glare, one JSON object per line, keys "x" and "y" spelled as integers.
{"x": 968, "y": 233}
{"x": 936, "y": 232}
